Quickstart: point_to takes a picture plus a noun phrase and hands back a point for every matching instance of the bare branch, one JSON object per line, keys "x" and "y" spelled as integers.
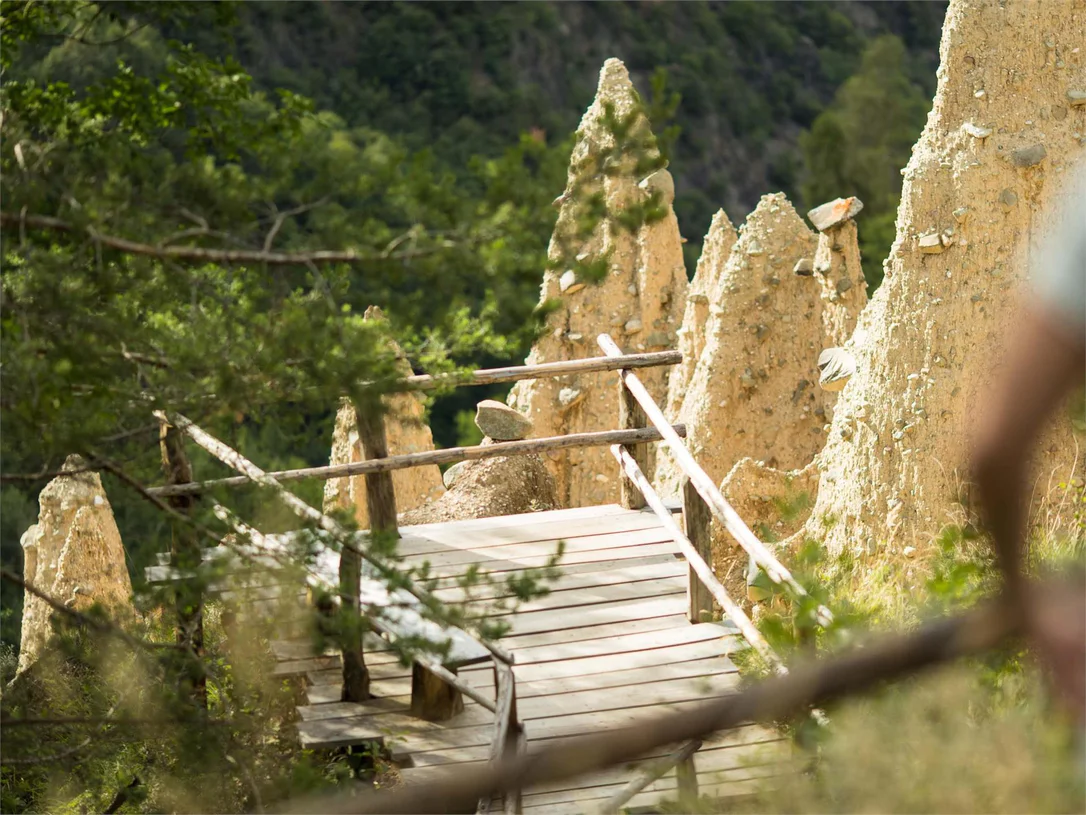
{"x": 281, "y": 217}
{"x": 26, "y": 762}
{"x": 194, "y": 253}
{"x": 102, "y": 626}
{"x": 781, "y": 696}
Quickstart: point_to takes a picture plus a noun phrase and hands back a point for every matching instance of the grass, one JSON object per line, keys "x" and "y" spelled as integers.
{"x": 977, "y": 736}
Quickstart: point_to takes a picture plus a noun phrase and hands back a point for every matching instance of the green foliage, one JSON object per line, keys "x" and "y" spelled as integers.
{"x": 859, "y": 144}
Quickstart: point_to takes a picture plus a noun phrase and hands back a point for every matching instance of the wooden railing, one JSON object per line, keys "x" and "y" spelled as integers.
{"x": 702, "y": 501}
{"x": 436, "y": 690}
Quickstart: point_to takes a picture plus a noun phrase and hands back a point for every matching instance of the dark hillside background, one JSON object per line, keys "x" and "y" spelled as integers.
{"x": 465, "y": 79}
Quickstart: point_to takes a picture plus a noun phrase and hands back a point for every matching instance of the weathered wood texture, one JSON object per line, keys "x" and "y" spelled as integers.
{"x": 631, "y": 417}
{"x": 449, "y": 455}
{"x": 706, "y": 488}
{"x": 515, "y": 373}
{"x": 698, "y": 522}
{"x": 605, "y": 648}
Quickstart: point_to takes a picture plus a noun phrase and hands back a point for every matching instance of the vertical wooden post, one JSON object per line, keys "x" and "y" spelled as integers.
{"x": 631, "y": 417}
{"x": 380, "y": 494}
{"x": 698, "y": 521}
{"x": 381, "y": 506}
{"x": 185, "y": 555}
{"x": 509, "y": 739}
{"x": 432, "y": 698}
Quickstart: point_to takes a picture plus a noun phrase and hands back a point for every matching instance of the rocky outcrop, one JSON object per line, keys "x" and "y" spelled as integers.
{"x": 702, "y": 292}
{"x": 406, "y": 432}
{"x": 490, "y": 487}
{"x": 639, "y": 302}
{"x": 837, "y": 268}
{"x": 979, "y": 192}
{"x": 74, "y": 554}
{"x": 753, "y": 391}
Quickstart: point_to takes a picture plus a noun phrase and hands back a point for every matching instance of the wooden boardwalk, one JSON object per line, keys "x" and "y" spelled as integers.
{"x": 610, "y": 645}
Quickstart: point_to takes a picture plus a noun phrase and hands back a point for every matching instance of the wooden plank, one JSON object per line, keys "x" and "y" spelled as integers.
{"x": 752, "y": 745}
{"x": 299, "y": 667}
{"x": 553, "y": 689}
{"x": 284, "y": 650}
{"x": 448, "y": 579}
{"x": 520, "y": 519}
{"x": 430, "y": 764}
{"x": 616, "y": 664}
{"x": 637, "y": 590}
{"x": 591, "y": 632}
{"x": 447, "y": 536}
{"x": 514, "y": 554}
{"x": 656, "y": 569}
{"x": 612, "y": 639}
{"x": 739, "y": 781}
{"x": 600, "y": 614}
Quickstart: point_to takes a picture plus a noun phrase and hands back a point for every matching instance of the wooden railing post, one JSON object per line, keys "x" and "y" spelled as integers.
{"x": 508, "y": 739}
{"x": 381, "y": 506}
{"x": 186, "y": 556}
{"x": 432, "y": 698}
{"x": 698, "y": 522}
{"x": 631, "y": 417}
{"x": 380, "y": 494}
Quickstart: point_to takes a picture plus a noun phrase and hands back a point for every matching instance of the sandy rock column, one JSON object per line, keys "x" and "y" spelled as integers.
{"x": 1001, "y": 142}
{"x": 639, "y": 303}
{"x": 837, "y": 268}
{"x": 716, "y": 250}
{"x": 74, "y": 554}
{"x": 753, "y": 391}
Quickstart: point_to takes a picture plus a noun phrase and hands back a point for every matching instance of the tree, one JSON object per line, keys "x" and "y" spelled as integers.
{"x": 175, "y": 241}
{"x": 859, "y": 144}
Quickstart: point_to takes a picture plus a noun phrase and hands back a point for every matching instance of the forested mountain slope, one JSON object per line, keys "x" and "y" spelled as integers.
{"x": 467, "y": 78}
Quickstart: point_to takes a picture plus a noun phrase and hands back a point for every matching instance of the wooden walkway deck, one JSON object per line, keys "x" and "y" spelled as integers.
{"x": 610, "y": 645}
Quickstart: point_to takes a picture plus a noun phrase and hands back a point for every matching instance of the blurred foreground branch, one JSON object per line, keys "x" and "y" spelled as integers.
{"x": 817, "y": 683}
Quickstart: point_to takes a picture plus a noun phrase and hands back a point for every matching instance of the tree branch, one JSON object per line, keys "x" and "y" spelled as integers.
{"x": 195, "y": 253}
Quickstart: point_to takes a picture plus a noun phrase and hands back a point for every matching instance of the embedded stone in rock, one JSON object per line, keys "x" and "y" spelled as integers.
{"x": 931, "y": 244}
{"x": 804, "y": 267}
{"x": 1076, "y": 98}
{"x": 500, "y": 422}
{"x": 661, "y": 182}
{"x": 568, "y": 397}
{"x": 1029, "y": 156}
{"x": 976, "y": 131}
{"x": 450, "y": 476}
{"x": 835, "y": 212}
{"x": 836, "y": 367}
{"x": 1008, "y": 198}
{"x": 568, "y": 282}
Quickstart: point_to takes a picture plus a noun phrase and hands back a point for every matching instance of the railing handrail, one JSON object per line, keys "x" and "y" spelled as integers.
{"x": 447, "y": 455}
{"x": 234, "y": 459}
{"x": 543, "y": 370}
{"x": 695, "y": 560}
{"x": 705, "y": 487}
